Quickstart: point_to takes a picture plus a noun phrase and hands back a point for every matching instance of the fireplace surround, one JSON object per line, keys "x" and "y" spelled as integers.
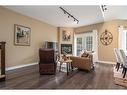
{"x": 66, "y": 48}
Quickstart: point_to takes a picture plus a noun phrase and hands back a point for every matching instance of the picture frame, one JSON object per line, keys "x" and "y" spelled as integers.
{"x": 22, "y": 35}
{"x": 66, "y": 35}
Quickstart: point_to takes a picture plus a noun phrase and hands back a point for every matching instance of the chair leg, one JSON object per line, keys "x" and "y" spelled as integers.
{"x": 67, "y": 64}
{"x": 71, "y": 66}
{"x": 55, "y": 66}
{"x": 121, "y": 65}
{"x": 117, "y": 66}
{"x": 125, "y": 72}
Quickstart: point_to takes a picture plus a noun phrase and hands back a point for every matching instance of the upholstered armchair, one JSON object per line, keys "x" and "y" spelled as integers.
{"x": 124, "y": 60}
{"x": 47, "y": 62}
{"x": 118, "y": 58}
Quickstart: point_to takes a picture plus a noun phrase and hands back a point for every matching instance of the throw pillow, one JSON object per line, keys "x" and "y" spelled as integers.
{"x": 85, "y": 54}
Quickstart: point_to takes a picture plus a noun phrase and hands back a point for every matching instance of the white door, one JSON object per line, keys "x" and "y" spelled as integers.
{"x": 78, "y": 45}
{"x": 86, "y": 41}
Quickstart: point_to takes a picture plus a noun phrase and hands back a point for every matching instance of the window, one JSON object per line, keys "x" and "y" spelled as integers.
{"x": 84, "y": 42}
{"x": 79, "y": 45}
{"x": 89, "y": 43}
{"x": 123, "y": 38}
{"x": 126, "y": 41}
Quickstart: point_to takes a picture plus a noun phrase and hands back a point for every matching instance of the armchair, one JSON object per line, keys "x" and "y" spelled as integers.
{"x": 124, "y": 60}
{"x": 118, "y": 58}
{"x": 47, "y": 63}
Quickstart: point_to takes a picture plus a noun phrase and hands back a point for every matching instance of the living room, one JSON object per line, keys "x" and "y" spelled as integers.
{"x": 22, "y": 59}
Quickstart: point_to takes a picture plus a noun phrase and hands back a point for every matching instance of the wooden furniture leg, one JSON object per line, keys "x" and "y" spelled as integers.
{"x": 117, "y": 66}
{"x": 2, "y": 63}
{"x": 67, "y": 67}
{"x": 60, "y": 66}
{"x": 71, "y": 66}
{"x": 125, "y": 70}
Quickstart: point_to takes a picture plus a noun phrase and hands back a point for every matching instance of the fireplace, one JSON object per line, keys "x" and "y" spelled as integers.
{"x": 66, "y": 48}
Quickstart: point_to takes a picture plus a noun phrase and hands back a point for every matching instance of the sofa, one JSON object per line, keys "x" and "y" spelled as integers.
{"x": 84, "y": 63}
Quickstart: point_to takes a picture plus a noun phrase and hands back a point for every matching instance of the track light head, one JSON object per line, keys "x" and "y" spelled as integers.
{"x": 64, "y": 12}
{"x": 77, "y": 22}
{"x": 104, "y": 8}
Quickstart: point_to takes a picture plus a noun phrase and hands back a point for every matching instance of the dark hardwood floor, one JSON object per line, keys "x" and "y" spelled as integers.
{"x": 28, "y": 78}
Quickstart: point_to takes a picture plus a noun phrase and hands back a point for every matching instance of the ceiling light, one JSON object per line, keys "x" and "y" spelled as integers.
{"x": 69, "y": 15}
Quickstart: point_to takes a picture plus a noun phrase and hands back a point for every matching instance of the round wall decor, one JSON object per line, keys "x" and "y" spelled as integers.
{"x": 106, "y": 38}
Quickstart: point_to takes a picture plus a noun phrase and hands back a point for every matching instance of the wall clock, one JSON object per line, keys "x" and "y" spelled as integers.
{"x": 106, "y": 38}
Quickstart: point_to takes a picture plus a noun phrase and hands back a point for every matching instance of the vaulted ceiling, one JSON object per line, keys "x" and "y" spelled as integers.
{"x": 87, "y": 14}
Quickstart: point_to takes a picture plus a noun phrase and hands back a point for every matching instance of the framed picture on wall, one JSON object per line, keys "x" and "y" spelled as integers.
{"x": 66, "y": 35}
{"x": 21, "y": 35}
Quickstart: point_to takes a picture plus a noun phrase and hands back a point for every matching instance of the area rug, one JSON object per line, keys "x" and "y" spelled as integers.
{"x": 118, "y": 78}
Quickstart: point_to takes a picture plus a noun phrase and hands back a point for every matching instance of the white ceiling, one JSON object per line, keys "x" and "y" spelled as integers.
{"x": 115, "y": 12}
{"x": 85, "y": 14}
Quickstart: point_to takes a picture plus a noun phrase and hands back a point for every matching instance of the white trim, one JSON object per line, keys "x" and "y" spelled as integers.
{"x": 95, "y": 45}
{"x": 106, "y": 62}
{"x": 120, "y": 30}
{"x": 20, "y": 66}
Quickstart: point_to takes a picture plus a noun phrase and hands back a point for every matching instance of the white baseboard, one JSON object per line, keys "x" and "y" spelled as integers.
{"x": 30, "y": 64}
{"x": 106, "y": 62}
{"x": 20, "y": 66}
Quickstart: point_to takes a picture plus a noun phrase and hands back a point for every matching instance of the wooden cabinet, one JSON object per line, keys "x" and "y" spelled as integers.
{"x": 2, "y": 63}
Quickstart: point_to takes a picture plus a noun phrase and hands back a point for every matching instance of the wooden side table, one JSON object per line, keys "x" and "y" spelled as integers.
{"x": 68, "y": 65}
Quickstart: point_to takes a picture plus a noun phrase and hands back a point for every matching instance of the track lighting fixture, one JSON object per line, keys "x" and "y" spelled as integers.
{"x": 104, "y": 8}
{"x": 69, "y": 15}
